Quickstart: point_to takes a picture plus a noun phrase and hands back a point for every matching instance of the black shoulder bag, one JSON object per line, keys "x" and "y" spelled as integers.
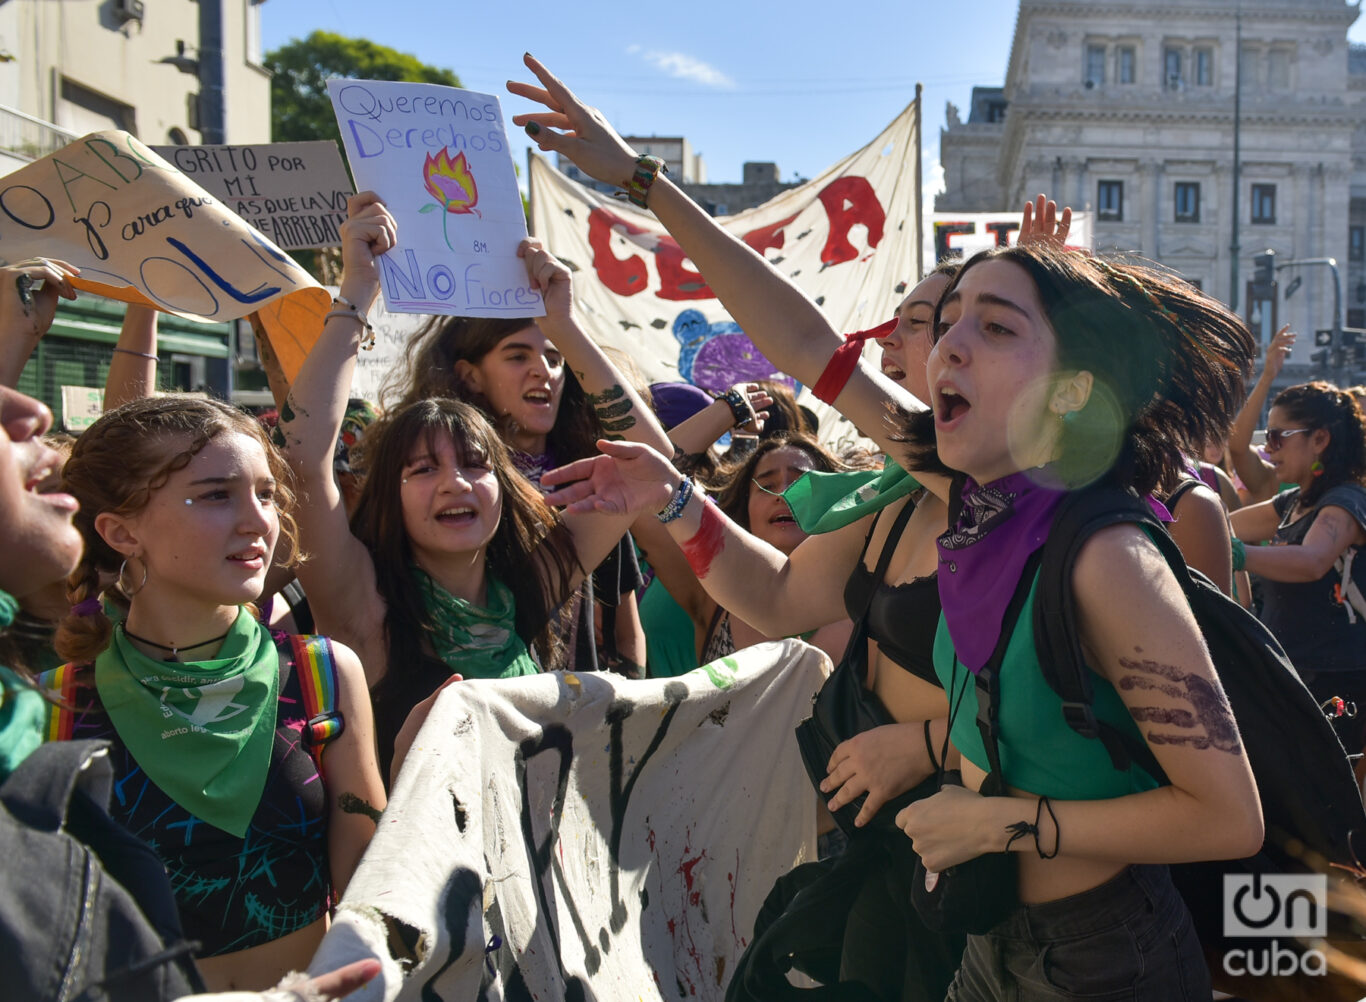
{"x": 845, "y": 706}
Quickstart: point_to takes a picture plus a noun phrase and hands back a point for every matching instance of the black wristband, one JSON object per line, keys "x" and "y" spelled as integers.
{"x": 739, "y": 406}
{"x": 929, "y": 747}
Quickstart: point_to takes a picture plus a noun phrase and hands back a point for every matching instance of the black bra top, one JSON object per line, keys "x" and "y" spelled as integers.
{"x": 902, "y": 618}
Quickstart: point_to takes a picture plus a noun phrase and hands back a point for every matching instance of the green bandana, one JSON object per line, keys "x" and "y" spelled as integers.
{"x": 23, "y": 713}
{"x": 824, "y": 502}
{"x": 474, "y": 642}
{"x": 202, "y": 731}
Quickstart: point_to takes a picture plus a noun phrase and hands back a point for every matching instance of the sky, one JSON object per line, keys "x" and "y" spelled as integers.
{"x": 799, "y": 83}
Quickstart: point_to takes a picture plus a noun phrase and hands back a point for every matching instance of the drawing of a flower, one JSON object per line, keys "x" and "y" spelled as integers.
{"x": 452, "y": 185}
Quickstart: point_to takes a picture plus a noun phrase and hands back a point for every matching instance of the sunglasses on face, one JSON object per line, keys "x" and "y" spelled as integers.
{"x": 1276, "y": 436}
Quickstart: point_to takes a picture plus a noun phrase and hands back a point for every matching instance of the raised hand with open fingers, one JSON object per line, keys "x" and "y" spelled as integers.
{"x": 1042, "y": 224}
{"x": 573, "y": 128}
{"x": 627, "y": 478}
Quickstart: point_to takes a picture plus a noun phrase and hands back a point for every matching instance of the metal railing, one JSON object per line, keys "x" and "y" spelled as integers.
{"x": 28, "y": 137}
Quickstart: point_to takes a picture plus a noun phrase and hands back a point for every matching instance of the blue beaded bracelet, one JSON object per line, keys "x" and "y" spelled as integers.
{"x": 674, "y": 509}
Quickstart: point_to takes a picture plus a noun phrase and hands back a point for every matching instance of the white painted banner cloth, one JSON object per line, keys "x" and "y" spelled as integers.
{"x": 615, "y": 837}
{"x": 846, "y": 238}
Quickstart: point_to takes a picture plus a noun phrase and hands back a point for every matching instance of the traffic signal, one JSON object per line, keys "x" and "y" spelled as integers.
{"x": 1264, "y": 272}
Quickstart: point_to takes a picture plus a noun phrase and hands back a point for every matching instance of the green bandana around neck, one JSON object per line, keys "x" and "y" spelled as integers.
{"x": 203, "y": 731}
{"x": 475, "y": 642}
{"x": 824, "y": 502}
{"x": 23, "y": 712}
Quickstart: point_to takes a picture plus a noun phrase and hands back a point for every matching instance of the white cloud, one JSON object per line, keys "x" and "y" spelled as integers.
{"x": 684, "y": 67}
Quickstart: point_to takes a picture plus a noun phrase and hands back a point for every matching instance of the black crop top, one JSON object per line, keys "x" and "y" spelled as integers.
{"x": 902, "y": 618}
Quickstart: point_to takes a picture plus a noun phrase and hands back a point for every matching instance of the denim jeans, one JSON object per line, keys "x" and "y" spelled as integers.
{"x": 1128, "y": 940}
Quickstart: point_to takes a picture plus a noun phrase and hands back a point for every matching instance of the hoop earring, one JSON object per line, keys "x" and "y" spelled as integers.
{"x": 118, "y": 581}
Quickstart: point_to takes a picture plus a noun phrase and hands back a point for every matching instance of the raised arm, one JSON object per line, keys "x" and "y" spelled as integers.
{"x": 778, "y": 317}
{"x": 699, "y": 432}
{"x": 1257, "y": 475}
{"x": 620, "y": 411}
{"x": 28, "y": 303}
{"x": 777, "y": 594}
{"x": 339, "y": 575}
{"x": 133, "y": 369}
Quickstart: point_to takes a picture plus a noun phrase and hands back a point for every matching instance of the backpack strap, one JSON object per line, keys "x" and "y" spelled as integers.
{"x": 316, "y": 668}
{"x": 59, "y": 685}
{"x": 988, "y": 683}
{"x": 1057, "y": 636}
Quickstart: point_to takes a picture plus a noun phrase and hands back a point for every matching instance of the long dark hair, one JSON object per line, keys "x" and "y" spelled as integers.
{"x": 733, "y": 494}
{"x": 1322, "y": 405}
{"x": 1169, "y": 365}
{"x": 531, "y": 551}
{"x": 430, "y": 371}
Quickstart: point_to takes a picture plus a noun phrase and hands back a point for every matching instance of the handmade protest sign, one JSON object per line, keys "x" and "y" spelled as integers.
{"x": 294, "y": 193}
{"x": 81, "y": 407}
{"x": 963, "y": 234}
{"x": 439, "y": 158}
{"x": 585, "y": 836}
{"x": 142, "y": 232}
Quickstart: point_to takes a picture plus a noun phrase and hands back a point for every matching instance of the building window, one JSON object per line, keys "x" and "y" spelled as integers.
{"x": 1263, "y": 203}
{"x": 1356, "y": 243}
{"x": 1204, "y": 67}
{"x": 1126, "y": 64}
{"x": 1278, "y": 69}
{"x": 1171, "y": 68}
{"x": 1356, "y": 318}
{"x": 1188, "y": 201}
{"x": 1095, "y": 65}
{"x": 1110, "y": 201}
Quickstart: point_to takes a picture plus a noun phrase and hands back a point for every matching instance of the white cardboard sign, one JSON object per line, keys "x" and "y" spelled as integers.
{"x": 439, "y": 158}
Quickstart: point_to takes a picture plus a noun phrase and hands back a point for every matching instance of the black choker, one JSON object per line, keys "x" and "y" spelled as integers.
{"x": 174, "y": 648}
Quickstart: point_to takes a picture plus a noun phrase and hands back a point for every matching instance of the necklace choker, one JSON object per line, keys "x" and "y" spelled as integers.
{"x": 175, "y": 649}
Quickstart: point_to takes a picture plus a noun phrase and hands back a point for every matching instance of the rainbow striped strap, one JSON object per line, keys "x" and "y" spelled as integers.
{"x": 317, "y": 672}
{"x": 59, "y": 685}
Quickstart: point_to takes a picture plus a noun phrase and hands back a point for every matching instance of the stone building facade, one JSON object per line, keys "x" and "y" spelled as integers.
{"x": 1126, "y": 108}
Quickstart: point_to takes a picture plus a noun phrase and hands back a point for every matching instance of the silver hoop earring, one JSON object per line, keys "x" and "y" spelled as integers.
{"x": 118, "y": 581}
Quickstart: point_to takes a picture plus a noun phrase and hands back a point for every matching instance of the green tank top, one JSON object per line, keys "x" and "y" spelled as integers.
{"x": 1040, "y": 753}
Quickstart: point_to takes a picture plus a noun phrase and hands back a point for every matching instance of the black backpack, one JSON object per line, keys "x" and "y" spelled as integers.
{"x": 1311, "y": 804}
{"x": 86, "y": 911}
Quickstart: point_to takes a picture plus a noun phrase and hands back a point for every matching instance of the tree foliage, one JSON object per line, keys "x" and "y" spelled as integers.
{"x": 300, "y": 108}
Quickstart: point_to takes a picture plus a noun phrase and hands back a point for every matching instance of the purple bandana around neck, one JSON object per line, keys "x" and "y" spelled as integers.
{"x": 983, "y": 554}
{"x": 532, "y": 466}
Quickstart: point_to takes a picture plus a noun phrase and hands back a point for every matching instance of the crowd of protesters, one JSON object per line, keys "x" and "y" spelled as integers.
{"x": 249, "y": 618}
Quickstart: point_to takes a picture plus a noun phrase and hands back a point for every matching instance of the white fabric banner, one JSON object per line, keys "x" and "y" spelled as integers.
{"x": 847, "y": 238}
{"x": 584, "y": 836}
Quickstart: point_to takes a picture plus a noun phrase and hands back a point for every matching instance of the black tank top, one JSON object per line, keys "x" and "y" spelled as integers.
{"x": 902, "y": 618}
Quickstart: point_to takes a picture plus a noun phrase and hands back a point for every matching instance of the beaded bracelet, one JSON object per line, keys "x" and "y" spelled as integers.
{"x": 674, "y": 509}
{"x": 646, "y": 173}
{"x": 740, "y": 408}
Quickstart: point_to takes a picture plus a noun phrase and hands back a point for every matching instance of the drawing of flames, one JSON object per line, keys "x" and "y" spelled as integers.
{"x": 451, "y": 183}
